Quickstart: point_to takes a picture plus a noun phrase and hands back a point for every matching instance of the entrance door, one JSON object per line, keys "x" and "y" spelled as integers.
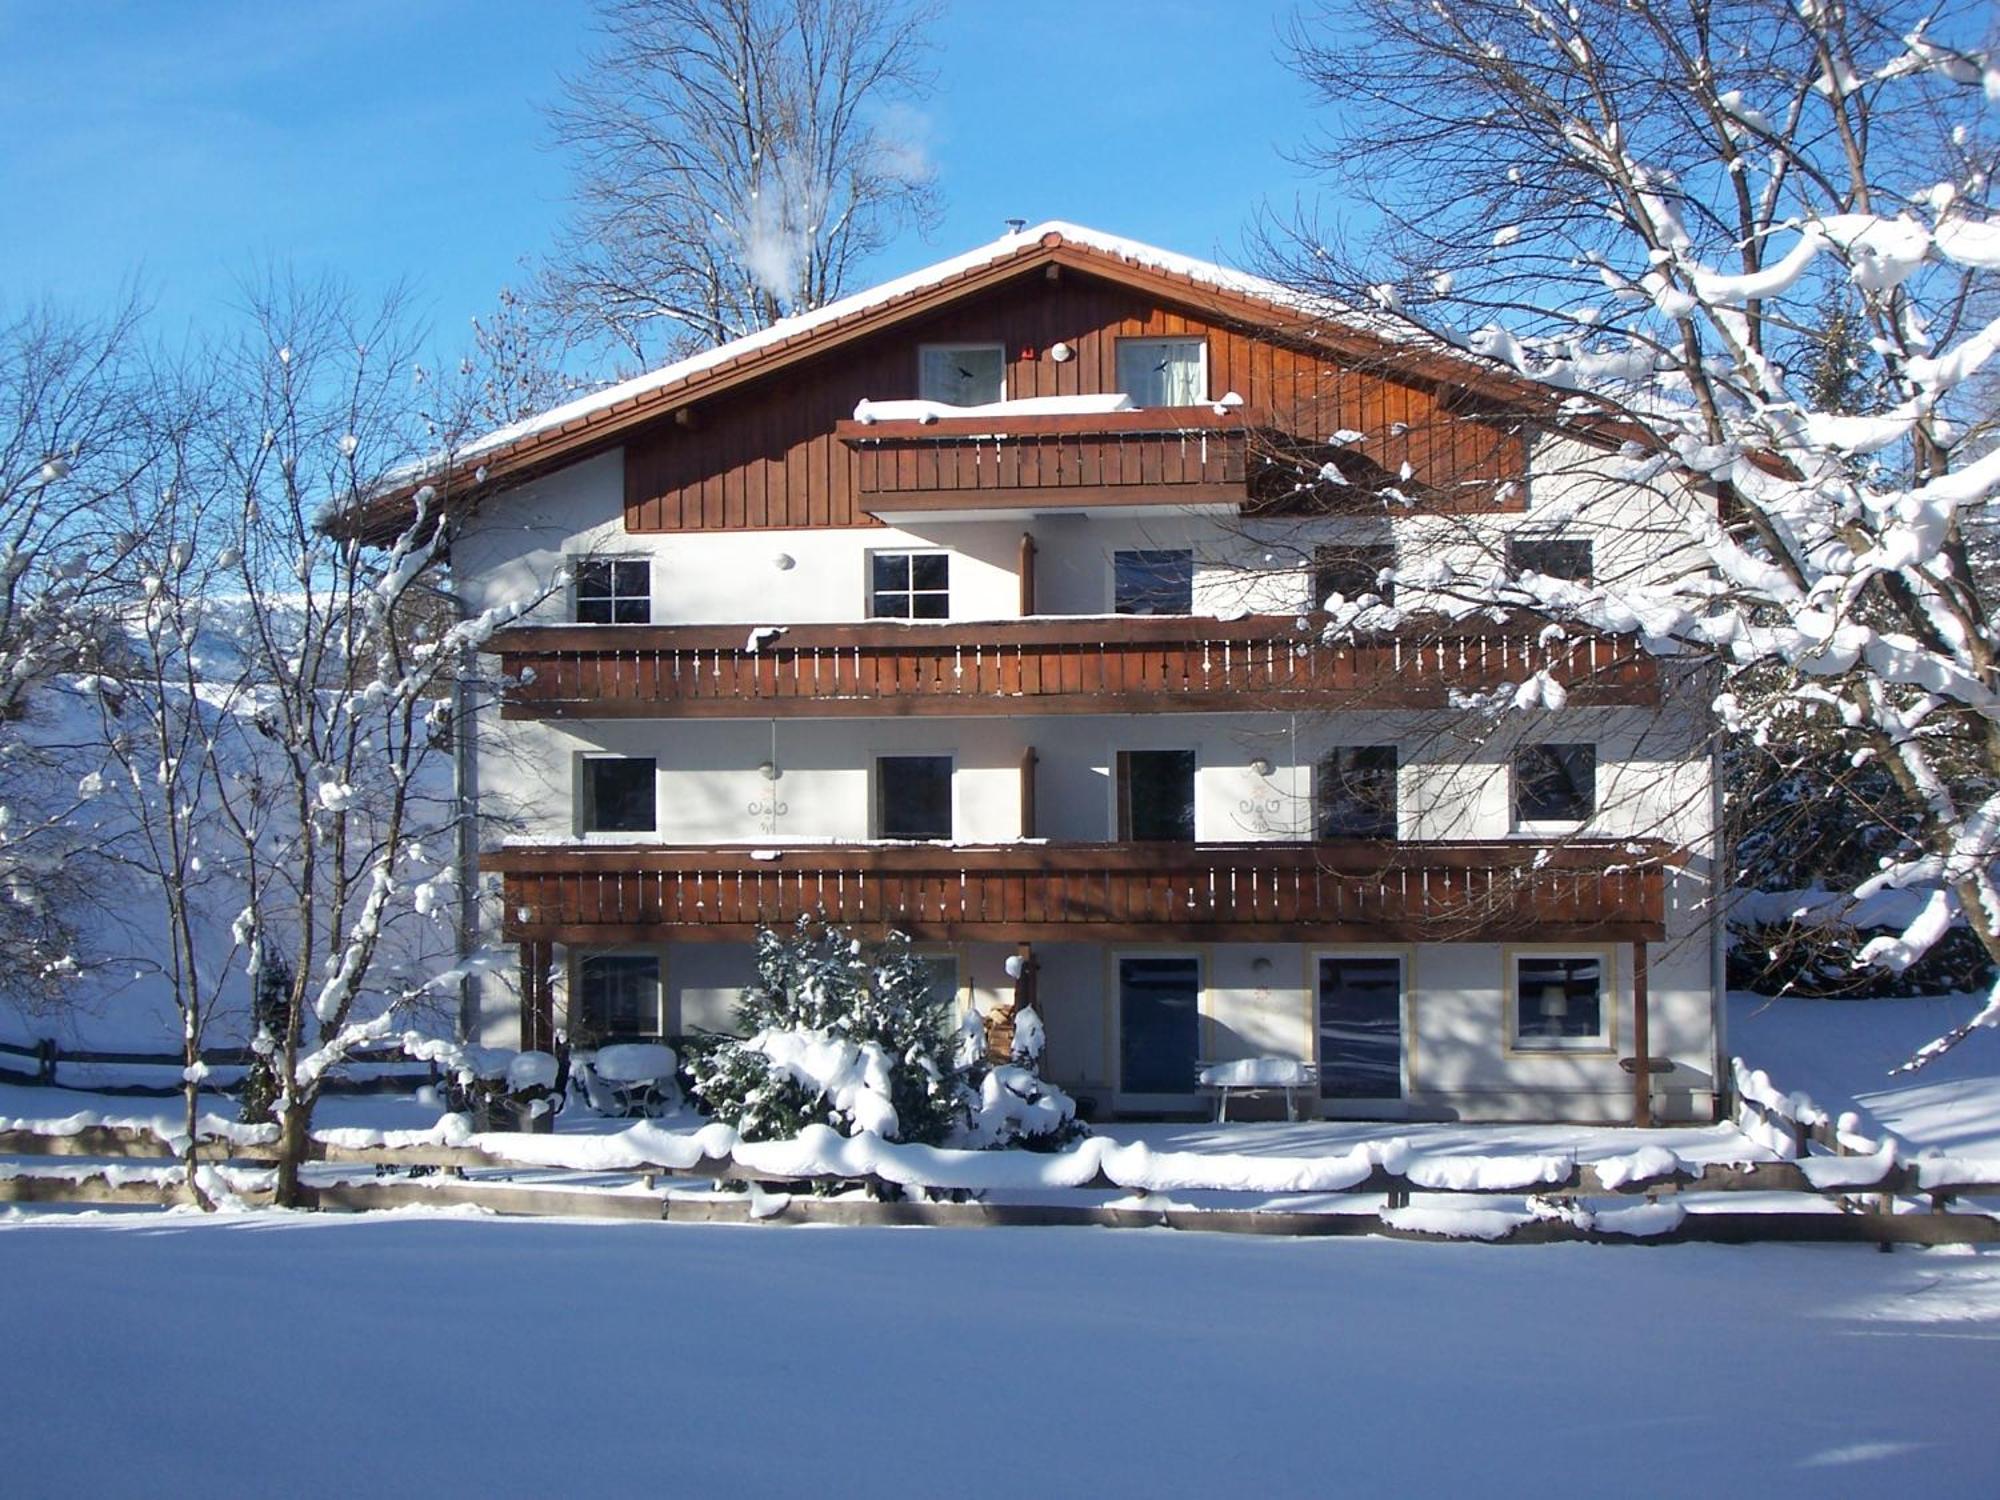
{"x": 1159, "y": 1024}
{"x": 1361, "y": 1028}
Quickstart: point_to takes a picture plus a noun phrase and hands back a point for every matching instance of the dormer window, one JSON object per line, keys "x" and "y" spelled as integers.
{"x": 962, "y": 374}
{"x": 1163, "y": 372}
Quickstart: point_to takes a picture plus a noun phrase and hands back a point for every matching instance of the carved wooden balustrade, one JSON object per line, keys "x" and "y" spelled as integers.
{"x": 1045, "y": 665}
{"x": 1601, "y": 891}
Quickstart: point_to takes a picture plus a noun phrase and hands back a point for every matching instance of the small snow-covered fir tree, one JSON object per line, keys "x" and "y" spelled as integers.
{"x": 838, "y": 1032}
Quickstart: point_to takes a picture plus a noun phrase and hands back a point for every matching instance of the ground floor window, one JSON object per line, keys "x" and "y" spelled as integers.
{"x": 1159, "y": 1024}
{"x": 1560, "y": 1002}
{"x": 617, "y": 998}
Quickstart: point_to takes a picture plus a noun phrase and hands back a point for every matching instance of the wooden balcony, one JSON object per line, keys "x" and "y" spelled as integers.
{"x": 1087, "y": 665}
{"x": 1264, "y": 892}
{"x": 1178, "y": 456}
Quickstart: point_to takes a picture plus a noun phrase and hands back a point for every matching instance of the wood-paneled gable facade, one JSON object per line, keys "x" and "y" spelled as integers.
{"x": 781, "y": 452}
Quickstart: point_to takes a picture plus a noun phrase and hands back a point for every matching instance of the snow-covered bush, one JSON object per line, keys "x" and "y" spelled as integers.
{"x": 1011, "y": 1104}
{"x": 836, "y": 1031}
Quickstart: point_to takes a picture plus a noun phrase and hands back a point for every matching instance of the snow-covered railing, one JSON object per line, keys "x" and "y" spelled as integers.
{"x": 1419, "y": 1189}
{"x": 1036, "y": 892}
{"x": 1790, "y": 1124}
{"x": 1048, "y": 664}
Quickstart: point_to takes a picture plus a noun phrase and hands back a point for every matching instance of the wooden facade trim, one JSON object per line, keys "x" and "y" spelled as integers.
{"x": 1157, "y": 419}
{"x": 1096, "y": 664}
{"x": 1273, "y": 892}
{"x": 1332, "y": 333}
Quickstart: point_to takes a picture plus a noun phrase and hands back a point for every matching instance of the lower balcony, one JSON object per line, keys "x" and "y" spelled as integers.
{"x": 1127, "y": 664}
{"x": 1601, "y": 891}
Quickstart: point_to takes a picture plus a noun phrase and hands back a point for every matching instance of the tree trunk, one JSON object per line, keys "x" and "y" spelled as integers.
{"x": 294, "y": 1122}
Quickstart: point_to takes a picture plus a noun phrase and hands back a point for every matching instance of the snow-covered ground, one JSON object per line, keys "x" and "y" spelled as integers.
{"x": 1842, "y": 1052}
{"x": 410, "y": 1355}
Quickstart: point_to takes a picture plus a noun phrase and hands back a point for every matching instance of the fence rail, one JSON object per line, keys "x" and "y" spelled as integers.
{"x": 39, "y": 1065}
{"x": 554, "y": 1175}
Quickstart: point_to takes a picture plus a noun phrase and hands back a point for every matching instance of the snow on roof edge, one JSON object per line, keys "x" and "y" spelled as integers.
{"x": 922, "y": 279}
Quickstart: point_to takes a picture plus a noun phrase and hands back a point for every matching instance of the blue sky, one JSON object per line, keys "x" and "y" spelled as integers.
{"x": 383, "y": 140}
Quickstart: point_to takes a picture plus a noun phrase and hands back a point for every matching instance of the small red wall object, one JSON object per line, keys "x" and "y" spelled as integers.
{"x": 1029, "y": 351}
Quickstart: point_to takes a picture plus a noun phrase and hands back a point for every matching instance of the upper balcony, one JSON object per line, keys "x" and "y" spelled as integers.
{"x": 1175, "y": 456}
{"x": 1224, "y": 457}
{"x": 1047, "y": 665}
{"x": 1595, "y": 890}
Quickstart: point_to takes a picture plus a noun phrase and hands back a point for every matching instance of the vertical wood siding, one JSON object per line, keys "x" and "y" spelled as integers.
{"x": 766, "y": 456}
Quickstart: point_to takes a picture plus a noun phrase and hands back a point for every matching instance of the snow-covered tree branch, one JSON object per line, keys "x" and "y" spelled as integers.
{"x": 1753, "y": 245}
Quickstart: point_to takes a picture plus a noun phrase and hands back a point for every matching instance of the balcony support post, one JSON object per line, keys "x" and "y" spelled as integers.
{"x": 538, "y": 1014}
{"x": 1642, "y": 1041}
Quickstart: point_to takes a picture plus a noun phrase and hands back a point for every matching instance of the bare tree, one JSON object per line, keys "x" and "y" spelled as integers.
{"x": 736, "y": 161}
{"x": 1661, "y": 206}
{"x": 284, "y": 733}
{"x": 74, "y": 440}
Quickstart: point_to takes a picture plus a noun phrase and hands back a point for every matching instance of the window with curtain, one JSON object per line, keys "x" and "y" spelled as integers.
{"x": 1559, "y": 1002}
{"x": 1163, "y": 372}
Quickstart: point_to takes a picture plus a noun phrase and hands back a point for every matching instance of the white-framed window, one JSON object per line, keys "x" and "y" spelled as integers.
{"x": 617, "y": 998}
{"x": 1164, "y": 372}
{"x": 1152, "y": 581}
{"x": 913, "y": 796}
{"x": 613, "y": 591}
{"x": 909, "y": 585}
{"x": 962, "y": 374}
{"x": 617, "y": 794}
{"x": 1560, "y": 1002}
{"x": 1555, "y": 785}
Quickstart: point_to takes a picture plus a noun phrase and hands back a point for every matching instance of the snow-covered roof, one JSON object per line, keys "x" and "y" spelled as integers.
{"x": 1008, "y": 246}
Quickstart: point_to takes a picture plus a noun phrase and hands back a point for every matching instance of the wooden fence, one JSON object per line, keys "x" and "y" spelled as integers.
{"x": 40, "y": 1065}
{"x": 1870, "y": 1197}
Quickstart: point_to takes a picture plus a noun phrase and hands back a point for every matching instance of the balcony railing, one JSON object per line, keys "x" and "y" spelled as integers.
{"x": 1098, "y": 664}
{"x": 1271, "y": 892}
{"x": 1180, "y": 456}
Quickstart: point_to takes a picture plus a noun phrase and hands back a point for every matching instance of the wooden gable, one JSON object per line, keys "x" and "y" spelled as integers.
{"x": 768, "y": 452}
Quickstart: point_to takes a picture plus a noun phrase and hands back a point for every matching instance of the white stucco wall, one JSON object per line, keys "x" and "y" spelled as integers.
{"x": 1258, "y": 999}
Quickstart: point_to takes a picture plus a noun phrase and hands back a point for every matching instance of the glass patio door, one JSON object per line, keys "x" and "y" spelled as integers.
{"x": 1361, "y": 1028}
{"x": 1159, "y": 1024}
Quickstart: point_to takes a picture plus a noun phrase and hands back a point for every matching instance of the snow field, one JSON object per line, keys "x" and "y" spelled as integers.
{"x": 408, "y": 1354}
